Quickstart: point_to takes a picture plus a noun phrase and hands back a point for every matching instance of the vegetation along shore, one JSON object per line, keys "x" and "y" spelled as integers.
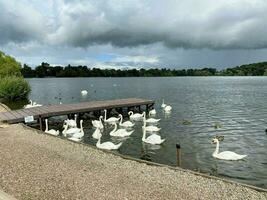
{"x": 46, "y": 70}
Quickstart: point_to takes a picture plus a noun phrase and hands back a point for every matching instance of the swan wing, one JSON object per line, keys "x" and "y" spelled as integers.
{"x": 230, "y": 155}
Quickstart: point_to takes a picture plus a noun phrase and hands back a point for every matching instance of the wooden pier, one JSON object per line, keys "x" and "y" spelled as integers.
{"x": 39, "y": 113}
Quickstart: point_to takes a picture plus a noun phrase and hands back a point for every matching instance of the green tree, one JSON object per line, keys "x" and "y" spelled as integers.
{"x": 9, "y": 66}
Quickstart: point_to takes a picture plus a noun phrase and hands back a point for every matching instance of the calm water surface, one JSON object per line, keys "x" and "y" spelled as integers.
{"x": 238, "y": 104}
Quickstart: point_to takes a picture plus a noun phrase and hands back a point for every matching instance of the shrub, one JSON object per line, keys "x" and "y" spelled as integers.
{"x": 13, "y": 88}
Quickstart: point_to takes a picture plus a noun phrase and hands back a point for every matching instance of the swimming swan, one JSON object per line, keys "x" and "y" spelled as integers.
{"x": 225, "y": 155}
{"x": 70, "y": 131}
{"x": 151, "y": 120}
{"x": 120, "y": 132}
{"x": 98, "y": 123}
{"x": 150, "y": 128}
{"x": 126, "y": 124}
{"x": 152, "y": 139}
{"x": 163, "y": 105}
{"x": 136, "y": 116}
{"x": 32, "y": 104}
{"x": 107, "y": 145}
{"x": 97, "y": 133}
{"x": 51, "y": 131}
{"x": 111, "y": 119}
{"x": 84, "y": 92}
{"x": 77, "y": 136}
{"x": 167, "y": 108}
{"x": 72, "y": 123}
{"x": 152, "y": 112}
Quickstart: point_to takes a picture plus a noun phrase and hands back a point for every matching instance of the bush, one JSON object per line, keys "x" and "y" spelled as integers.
{"x": 14, "y": 88}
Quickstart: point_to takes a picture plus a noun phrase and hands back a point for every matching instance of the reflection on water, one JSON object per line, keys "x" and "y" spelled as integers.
{"x": 231, "y": 106}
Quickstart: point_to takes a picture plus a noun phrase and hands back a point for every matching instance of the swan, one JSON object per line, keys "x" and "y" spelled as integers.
{"x": 29, "y": 105}
{"x": 126, "y": 124}
{"x": 32, "y": 104}
{"x": 163, "y": 105}
{"x": 225, "y": 155}
{"x": 151, "y": 120}
{"x": 152, "y": 139}
{"x": 150, "y": 128}
{"x": 136, "y": 116}
{"x": 167, "y": 108}
{"x": 111, "y": 119}
{"x": 69, "y": 132}
{"x": 51, "y": 131}
{"x": 84, "y": 92}
{"x": 120, "y": 132}
{"x": 97, "y": 133}
{"x": 77, "y": 136}
{"x": 72, "y": 123}
{"x": 98, "y": 123}
{"x": 107, "y": 145}
{"x": 152, "y": 112}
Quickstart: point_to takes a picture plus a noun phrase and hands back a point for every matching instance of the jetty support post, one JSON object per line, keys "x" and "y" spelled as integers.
{"x": 40, "y": 122}
{"x": 178, "y": 155}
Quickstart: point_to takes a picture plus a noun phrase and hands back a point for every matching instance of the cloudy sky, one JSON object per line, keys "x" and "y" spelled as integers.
{"x": 135, "y": 33}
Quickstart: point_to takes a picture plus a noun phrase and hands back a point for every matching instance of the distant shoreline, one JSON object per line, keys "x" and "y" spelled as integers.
{"x": 45, "y": 70}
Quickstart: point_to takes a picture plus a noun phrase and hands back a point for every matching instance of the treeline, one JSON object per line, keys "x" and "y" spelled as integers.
{"x": 45, "y": 70}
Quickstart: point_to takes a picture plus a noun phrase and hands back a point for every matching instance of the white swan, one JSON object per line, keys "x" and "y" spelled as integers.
{"x": 51, "y": 131}
{"x": 111, "y": 119}
{"x": 120, "y": 132}
{"x": 29, "y": 105}
{"x": 72, "y": 123}
{"x": 126, "y": 124}
{"x": 32, "y": 104}
{"x": 225, "y": 155}
{"x": 107, "y": 145}
{"x": 77, "y": 136}
{"x": 152, "y": 139}
{"x": 97, "y": 133}
{"x": 150, "y": 120}
{"x": 163, "y": 105}
{"x": 150, "y": 128}
{"x": 152, "y": 112}
{"x": 136, "y": 116}
{"x": 84, "y": 92}
{"x": 69, "y": 132}
{"x": 98, "y": 123}
{"x": 167, "y": 108}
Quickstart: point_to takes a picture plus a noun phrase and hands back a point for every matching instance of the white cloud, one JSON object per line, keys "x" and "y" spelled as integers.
{"x": 137, "y": 59}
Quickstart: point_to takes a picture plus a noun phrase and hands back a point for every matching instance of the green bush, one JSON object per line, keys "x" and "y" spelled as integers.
{"x": 13, "y": 88}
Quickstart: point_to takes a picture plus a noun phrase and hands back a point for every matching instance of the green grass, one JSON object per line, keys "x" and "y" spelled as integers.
{"x": 13, "y": 88}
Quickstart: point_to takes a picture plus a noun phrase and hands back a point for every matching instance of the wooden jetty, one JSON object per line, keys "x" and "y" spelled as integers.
{"x": 39, "y": 113}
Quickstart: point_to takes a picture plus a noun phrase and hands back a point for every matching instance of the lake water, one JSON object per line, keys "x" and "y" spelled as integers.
{"x": 238, "y": 104}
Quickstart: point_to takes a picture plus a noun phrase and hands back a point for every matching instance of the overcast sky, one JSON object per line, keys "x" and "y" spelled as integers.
{"x": 135, "y": 33}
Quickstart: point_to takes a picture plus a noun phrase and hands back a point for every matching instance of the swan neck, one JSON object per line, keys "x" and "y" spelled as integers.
{"x": 46, "y": 125}
{"x": 121, "y": 119}
{"x": 144, "y": 133}
{"x": 105, "y": 117}
{"x": 217, "y": 148}
{"x": 81, "y": 124}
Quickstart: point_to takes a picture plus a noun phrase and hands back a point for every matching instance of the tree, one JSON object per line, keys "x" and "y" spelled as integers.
{"x": 9, "y": 66}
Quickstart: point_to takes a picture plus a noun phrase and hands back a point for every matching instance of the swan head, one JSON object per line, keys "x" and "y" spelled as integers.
{"x": 216, "y": 139}
{"x": 130, "y": 112}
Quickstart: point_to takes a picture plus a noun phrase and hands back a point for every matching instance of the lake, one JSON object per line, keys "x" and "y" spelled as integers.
{"x": 237, "y": 105}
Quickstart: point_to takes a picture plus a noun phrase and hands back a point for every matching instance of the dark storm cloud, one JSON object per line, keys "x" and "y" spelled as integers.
{"x": 187, "y": 24}
{"x": 19, "y": 23}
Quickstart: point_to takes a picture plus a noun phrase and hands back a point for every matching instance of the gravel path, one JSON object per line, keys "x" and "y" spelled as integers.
{"x": 39, "y": 166}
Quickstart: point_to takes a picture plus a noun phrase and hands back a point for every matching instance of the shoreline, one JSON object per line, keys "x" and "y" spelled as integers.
{"x": 68, "y": 170}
